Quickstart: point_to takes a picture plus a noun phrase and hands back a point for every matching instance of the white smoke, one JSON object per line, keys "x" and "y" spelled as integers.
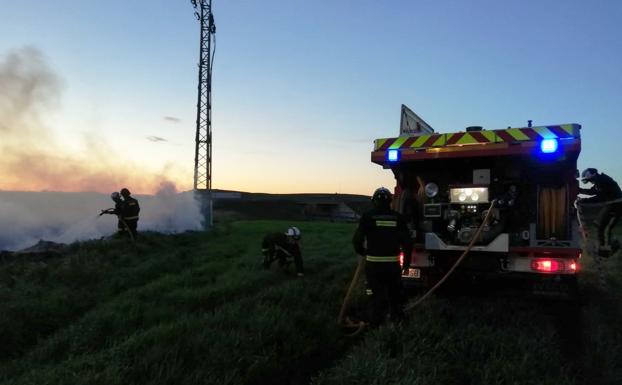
{"x": 27, "y": 217}
{"x": 168, "y": 211}
{"x": 34, "y": 159}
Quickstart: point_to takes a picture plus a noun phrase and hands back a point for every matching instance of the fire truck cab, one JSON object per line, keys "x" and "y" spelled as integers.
{"x": 447, "y": 183}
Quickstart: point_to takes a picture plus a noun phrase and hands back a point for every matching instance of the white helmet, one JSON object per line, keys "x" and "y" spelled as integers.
{"x": 293, "y": 232}
{"x": 115, "y": 196}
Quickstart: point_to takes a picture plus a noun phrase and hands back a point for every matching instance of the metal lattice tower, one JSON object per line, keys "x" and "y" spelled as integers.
{"x": 203, "y": 139}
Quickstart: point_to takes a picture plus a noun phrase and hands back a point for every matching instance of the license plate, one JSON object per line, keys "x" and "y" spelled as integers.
{"x": 413, "y": 273}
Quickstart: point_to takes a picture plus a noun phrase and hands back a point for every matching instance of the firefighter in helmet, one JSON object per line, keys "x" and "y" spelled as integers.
{"x": 118, "y": 207}
{"x": 380, "y": 237}
{"x": 129, "y": 212}
{"x": 281, "y": 247}
{"x": 118, "y": 204}
{"x": 606, "y": 191}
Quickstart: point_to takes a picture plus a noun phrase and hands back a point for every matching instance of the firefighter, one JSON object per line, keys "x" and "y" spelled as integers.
{"x": 606, "y": 191}
{"x": 381, "y": 235}
{"x": 282, "y": 246}
{"x": 129, "y": 212}
{"x": 118, "y": 204}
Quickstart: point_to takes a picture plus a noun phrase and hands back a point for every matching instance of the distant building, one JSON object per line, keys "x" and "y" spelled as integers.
{"x": 236, "y": 205}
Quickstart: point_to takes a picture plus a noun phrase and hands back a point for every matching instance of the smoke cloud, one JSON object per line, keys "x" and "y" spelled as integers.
{"x": 32, "y": 159}
{"x": 27, "y": 217}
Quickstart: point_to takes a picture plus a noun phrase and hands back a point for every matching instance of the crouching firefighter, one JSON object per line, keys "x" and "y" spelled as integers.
{"x": 380, "y": 237}
{"x": 281, "y": 247}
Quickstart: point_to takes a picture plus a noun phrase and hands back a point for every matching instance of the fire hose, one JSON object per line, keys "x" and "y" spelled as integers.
{"x": 580, "y": 221}
{"x": 342, "y": 320}
{"x": 125, "y": 226}
{"x": 360, "y": 325}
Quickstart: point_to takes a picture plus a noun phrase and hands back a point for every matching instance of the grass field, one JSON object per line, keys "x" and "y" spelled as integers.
{"x": 196, "y": 308}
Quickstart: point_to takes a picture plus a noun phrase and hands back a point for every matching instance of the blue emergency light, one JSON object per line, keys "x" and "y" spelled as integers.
{"x": 393, "y": 155}
{"x": 549, "y": 146}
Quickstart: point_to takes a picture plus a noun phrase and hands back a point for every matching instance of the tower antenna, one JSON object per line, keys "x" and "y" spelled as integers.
{"x": 203, "y": 137}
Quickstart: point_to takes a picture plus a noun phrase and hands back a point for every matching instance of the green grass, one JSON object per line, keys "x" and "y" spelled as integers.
{"x": 197, "y": 308}
{"x": 497, "y": 340}
{"x": 192, "y": 308}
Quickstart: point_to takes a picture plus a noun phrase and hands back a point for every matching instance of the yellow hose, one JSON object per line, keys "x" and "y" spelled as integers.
{"x": 552, "y": 213}
{"x": 342, "y": 320}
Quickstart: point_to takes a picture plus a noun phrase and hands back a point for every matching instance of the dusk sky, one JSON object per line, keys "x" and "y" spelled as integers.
{"x": 300, "y": 88}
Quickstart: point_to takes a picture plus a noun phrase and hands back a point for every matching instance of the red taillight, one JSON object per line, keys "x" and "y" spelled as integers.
{"x": 573, "y": 266}
{"x": 548, "y": 265}
{"x": 401, "y": 258}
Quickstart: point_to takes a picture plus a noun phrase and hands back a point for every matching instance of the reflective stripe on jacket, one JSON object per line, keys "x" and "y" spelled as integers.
{"x": 374, "y": 258}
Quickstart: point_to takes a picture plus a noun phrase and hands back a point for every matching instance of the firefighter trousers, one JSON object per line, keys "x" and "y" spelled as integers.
{"x": 132, "y": 226}
{"x": 272, "y": 254}
{"x": 607, "y": 219}
{"x": 385, "y": 281}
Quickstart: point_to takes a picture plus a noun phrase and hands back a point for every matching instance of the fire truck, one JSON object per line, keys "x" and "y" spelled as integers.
{"x": 524, "y": 179}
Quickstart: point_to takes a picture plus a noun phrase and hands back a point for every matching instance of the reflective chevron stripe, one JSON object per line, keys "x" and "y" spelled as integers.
{"x": 510, "y": 135}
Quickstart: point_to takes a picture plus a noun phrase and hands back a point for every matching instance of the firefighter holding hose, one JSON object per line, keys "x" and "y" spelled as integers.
{"x": 126, "y": 208}
{"x": 380, "y": 237}
{"x": 118, "y": 207}
{"x": 605, "y": 190}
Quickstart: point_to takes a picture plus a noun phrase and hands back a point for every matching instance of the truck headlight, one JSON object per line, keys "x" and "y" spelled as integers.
{"x": 431, "y": 190}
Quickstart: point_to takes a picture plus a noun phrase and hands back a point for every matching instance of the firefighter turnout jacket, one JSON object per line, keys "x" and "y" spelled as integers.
{"x": 277, "y": 246}
{"x": 605, "y": 189}
{"x": 607, "y": 192}
{"x": 129, "y": 214}
{"x": 130, "y": 209}
{"x": 381, "y": 235}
